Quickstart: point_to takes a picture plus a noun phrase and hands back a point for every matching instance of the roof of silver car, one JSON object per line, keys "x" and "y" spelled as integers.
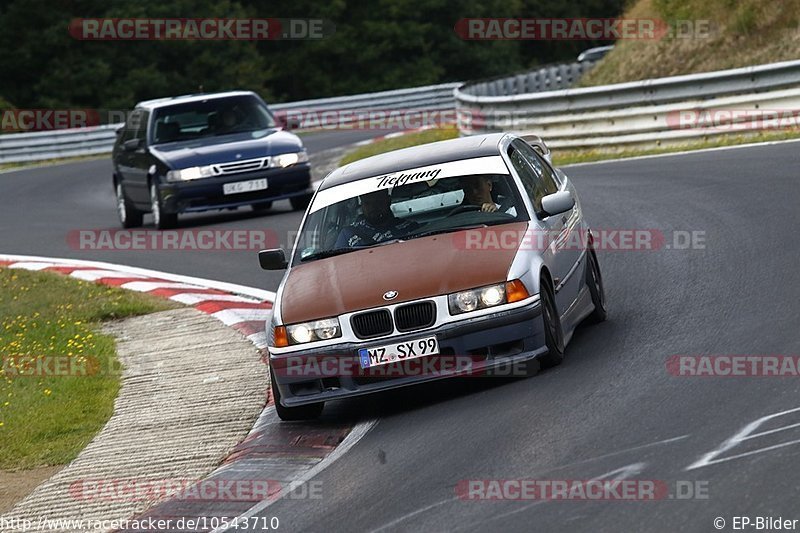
{"x": 186, "y": 98}
{"x": 416, "y": 156}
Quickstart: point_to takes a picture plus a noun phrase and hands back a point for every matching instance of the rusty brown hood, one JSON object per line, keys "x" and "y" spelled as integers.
{"x": 417, "y": 268}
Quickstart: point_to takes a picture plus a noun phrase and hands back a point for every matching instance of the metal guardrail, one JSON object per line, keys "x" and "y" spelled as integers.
{"x": 38, "y": 146}
{"x": 547, "y": 78}
{"x": 642, "y": 112}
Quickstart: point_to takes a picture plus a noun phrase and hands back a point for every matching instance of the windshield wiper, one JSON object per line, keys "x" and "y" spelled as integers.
{"x": 339, "y": 251}
{"x": 327, "y": 253}
{"x": 444, "y": 230}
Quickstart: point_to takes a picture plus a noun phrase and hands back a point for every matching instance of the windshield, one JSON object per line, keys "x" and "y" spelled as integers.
{"x": 210, "y": 118}
{"x": 410, "y": 211}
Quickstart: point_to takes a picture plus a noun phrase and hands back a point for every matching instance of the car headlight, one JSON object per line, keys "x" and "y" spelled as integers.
{"x": 318, "y": 330}
{"x": 191, "y": 173}
{"x": 489, "y": 296}
{"x": 286, "y": 160}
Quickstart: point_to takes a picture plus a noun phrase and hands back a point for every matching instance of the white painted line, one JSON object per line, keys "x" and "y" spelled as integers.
{"x": 147, "y": 286}
{"x": 234, "y": 316}
{"x": 205, "y": 283}
{"x": 684, "y": 152}
{"x": 358, "y": 432}
{"x": 194, "y": 298}
{"x": 745, "y": 433}
{"x": 37, "y": 265}
{"x": 94, "y": 275}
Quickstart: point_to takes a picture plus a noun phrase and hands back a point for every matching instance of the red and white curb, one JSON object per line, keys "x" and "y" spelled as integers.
{"x": 245, "y": 309}
{"x": 291, "y": 453}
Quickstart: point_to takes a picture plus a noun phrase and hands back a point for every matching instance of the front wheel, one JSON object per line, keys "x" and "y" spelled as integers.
{"x": 594, "y": 280}
{"x": 161, "y": 220}
{"x": 129, "y": 216}
{"x": 289, "y": 414}
{"x": 300, "y": 202}
{"x": 554, "y": 336}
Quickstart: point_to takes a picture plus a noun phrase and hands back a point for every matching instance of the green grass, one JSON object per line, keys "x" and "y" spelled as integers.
{"x": 741, "y": 33}
{"x": 47, "y": 162}
{"x": 568, "y": 157}
{"x": 48, "y": 420}
{"x": 396, "y": 143}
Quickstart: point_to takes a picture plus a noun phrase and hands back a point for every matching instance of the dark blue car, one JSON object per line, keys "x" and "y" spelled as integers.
{"x": 203, "y": 152}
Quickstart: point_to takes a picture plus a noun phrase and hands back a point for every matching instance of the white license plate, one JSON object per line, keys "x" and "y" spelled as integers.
{"x": 402, "y": 351}
{"x": 244, "y": 186}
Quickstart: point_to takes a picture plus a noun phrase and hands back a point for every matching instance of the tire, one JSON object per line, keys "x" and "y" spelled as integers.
{"x": 594, "y": 280}
{"x": 300, "y": 202}
{"x": 129, "y": 216}
{"x": 161, "y": 220}
{"x": 290, "y": 414}
{"x": 554, "y": 335}
{"x": 261, "y": 207}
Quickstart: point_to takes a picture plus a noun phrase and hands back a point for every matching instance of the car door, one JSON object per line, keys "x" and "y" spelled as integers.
{"x": 139, "y": 162}
{"x": 560, "y": 254}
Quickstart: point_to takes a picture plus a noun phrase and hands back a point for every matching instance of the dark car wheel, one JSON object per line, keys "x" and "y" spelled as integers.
{"x": 300, "y": 202}
{"x": 129, "y": 216}
{"x": 261, "y": 207}
{"x": 161, "y": 220}
{"x": 554, "y": 336}
{"x": 594, "y": 280}
{"x": 288, "y": 414}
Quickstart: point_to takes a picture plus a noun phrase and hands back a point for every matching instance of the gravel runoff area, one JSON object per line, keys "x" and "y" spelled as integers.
{"x": 191, "y": 390}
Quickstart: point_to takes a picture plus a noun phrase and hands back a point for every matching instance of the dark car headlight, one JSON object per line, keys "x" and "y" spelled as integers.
{"x": 488, "y": 296}
{"x": 287, "y": 160}
{"x": 191, "y": 173}
{"x": 317, "y": 330}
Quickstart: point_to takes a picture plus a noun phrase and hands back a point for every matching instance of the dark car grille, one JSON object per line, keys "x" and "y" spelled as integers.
{"x": 235, "y": 167}
{"x": 415, "y": 316}
{"x": 372, "y": 324}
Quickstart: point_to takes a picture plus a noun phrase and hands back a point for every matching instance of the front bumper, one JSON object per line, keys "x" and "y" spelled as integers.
{"x": 486, "y": 346}
{"x": 207, "y": 193}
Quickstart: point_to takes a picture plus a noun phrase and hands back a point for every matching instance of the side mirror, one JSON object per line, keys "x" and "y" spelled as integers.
{"x": 289, "y": 120}
{"x": 558, "y": 202}
{"x": 544, "y": 151}
{"x": 272, "y": 259}
{"x": 131, "y": 144}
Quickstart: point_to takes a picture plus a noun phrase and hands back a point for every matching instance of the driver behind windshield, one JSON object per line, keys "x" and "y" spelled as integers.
{"x": 478, "y": 192}
{"x": 376, "y": 223}
{"x": 228, "y": 121}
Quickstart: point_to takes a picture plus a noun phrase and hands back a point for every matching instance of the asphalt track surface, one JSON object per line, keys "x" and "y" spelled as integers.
{"x": 611, "y": 410}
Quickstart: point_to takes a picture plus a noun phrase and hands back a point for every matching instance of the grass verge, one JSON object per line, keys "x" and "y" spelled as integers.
{"x": 50, "y": 162}
{"x": 563, "y": 157}
{"x": 396, "y": 143}
{"x": 58, "y": 375}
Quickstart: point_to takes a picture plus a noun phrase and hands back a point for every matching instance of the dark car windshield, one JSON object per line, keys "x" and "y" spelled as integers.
{"x": 410, "y": 211}
{"x": 209, "y": 118}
